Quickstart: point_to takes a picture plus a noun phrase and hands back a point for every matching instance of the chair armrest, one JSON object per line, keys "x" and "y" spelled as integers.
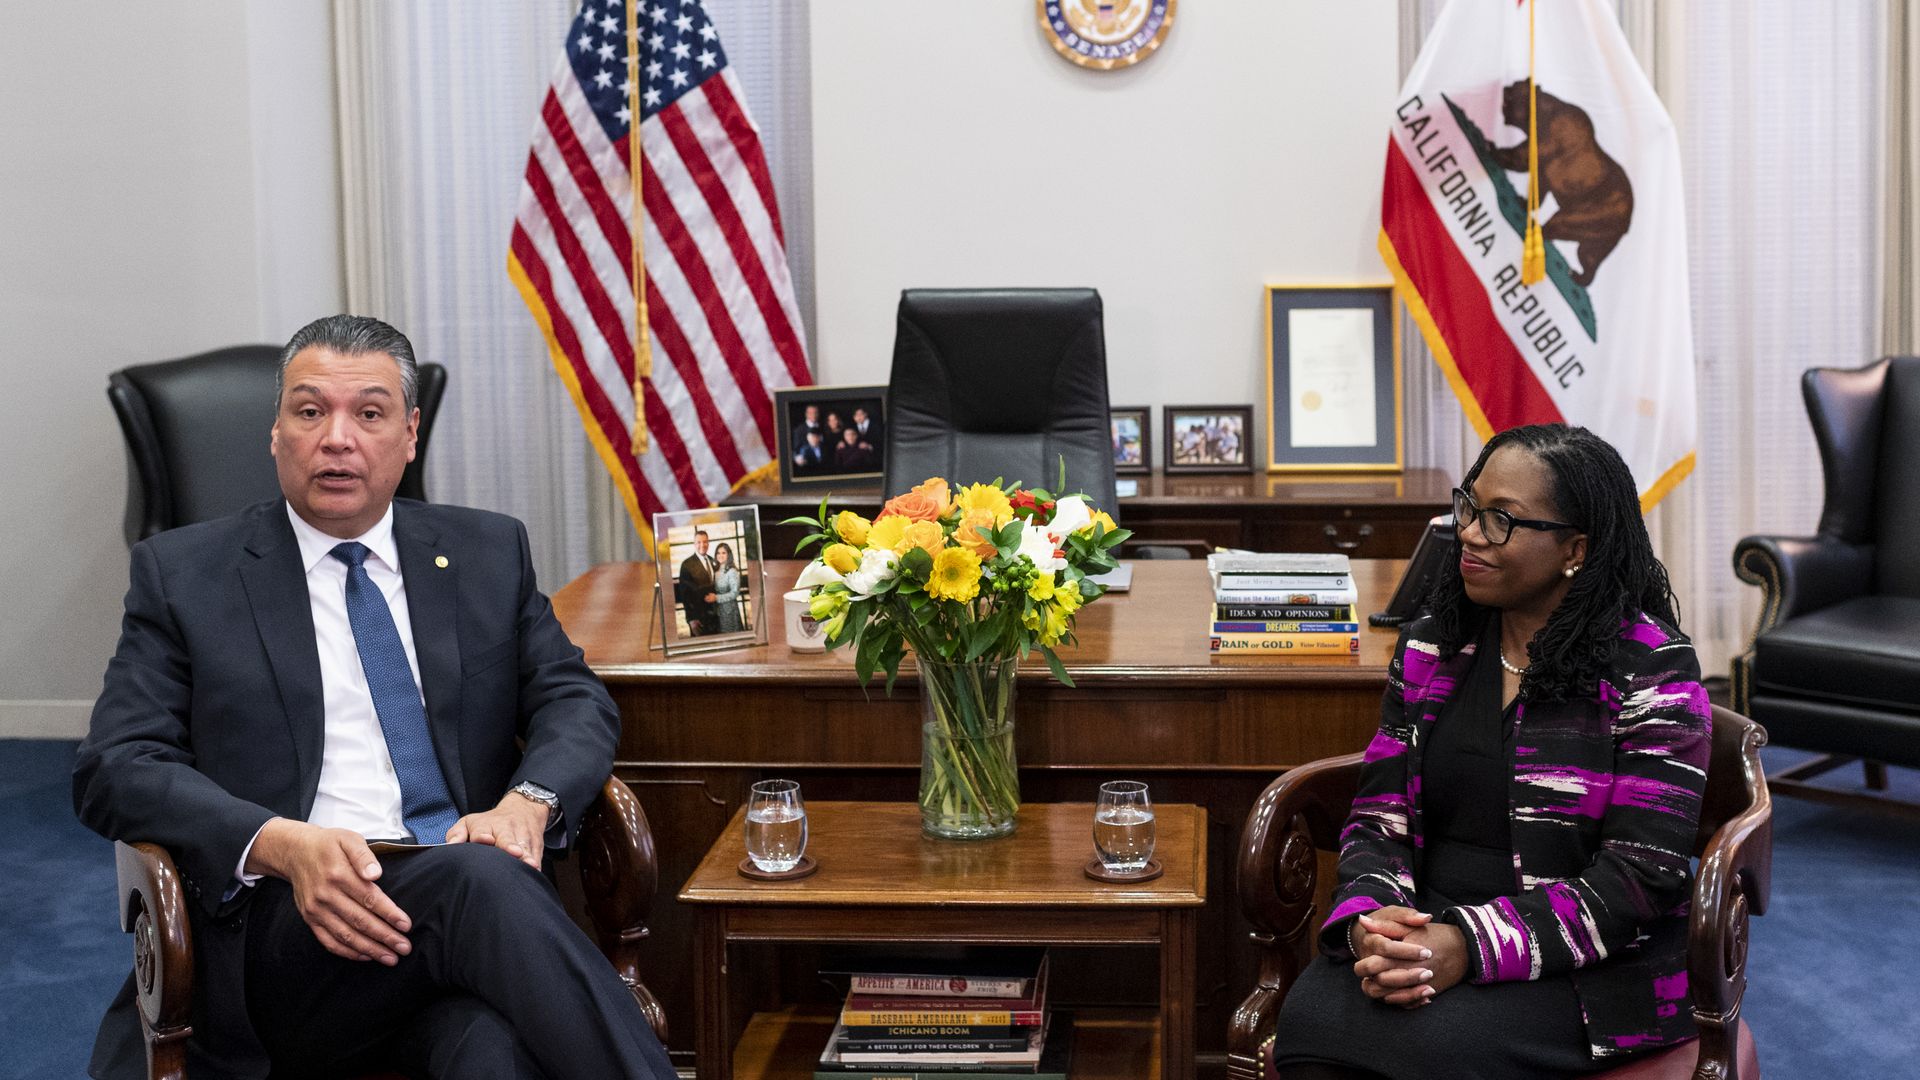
{"x": 1735, "y": 879}
{"x": 1801, "y": 574}
{"x": 619, "y": 876}
{"x": 1299, "y": 815}
{"x": 153, "y": 908}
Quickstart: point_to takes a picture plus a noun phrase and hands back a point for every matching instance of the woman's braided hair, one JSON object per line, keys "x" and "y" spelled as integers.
{"x": 1594, "y": 491}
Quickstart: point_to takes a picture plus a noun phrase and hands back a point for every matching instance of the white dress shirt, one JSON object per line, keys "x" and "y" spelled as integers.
{"x": 358, "y": 789}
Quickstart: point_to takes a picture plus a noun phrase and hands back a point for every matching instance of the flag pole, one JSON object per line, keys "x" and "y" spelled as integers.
{"x": 642, "y": 343}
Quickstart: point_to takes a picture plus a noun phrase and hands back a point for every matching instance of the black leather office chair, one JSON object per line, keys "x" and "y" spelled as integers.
{"x": 197, "y": 431}
{"x": 1000, "y": 383}
{"x": 1835, "y": 661}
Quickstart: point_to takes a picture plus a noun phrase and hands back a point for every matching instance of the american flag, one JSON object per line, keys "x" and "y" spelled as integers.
{"x": 724, "y": 330}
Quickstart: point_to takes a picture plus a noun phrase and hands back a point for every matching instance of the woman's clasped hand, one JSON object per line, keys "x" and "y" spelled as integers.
{"x": 1405, "y": 958}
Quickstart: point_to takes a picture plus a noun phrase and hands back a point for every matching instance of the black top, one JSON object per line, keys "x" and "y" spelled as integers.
{"x": 1465, "y": 777}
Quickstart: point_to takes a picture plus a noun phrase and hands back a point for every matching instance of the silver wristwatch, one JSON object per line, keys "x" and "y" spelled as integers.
{"x": 540, "y": 795}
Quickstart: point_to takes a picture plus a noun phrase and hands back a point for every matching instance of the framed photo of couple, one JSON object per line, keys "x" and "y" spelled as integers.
{"x": 711, "y": 576}
{"x": 830, "y": 434}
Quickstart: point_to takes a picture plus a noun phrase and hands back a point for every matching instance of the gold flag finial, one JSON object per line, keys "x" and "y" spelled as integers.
{"x": 1533, "y": 247}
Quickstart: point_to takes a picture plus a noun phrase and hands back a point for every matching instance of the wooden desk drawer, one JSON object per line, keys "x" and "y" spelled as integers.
{"x": 1357, "y": 534}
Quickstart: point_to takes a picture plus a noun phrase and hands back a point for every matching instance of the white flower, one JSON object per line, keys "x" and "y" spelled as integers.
{"x": 1070, "y": 515}
{"x": 877, "y": 567}
{"x": 1039, "y": 545}
{"x": 817, "y": 573}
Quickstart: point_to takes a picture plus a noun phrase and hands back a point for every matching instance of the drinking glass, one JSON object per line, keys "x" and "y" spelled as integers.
{"x": 1123, "y": 827}
{"x": 776, "y": 825}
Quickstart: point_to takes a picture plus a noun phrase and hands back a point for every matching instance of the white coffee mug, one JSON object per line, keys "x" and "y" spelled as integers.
{"x": 804, "y": 632}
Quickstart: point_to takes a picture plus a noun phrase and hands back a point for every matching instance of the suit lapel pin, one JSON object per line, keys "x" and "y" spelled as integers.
{"x": 440, "y": 561}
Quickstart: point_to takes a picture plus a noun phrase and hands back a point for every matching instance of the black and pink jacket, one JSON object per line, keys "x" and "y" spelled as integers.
{"x": 1604, "y": 803}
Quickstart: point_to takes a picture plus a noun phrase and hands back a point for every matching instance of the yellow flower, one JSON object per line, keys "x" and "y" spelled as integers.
{"x": 851, "y": 527}
{"x": 967, "y": 535}
{"x": 985, "y": 497}
{"x": 841, "y": 558}
{"x": 1099, "y": 518}
{"x": 956, "y": 575}
{"x": 1042, "y": 587}
{"x": 1058, "y": 623}
{"x": 1067, "y": 597}
{"x": 925, "y": 535}
{"x": 887, "y": 533}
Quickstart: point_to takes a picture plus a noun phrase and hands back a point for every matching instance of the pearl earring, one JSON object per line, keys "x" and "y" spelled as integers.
{"x": 1571, "y": 570}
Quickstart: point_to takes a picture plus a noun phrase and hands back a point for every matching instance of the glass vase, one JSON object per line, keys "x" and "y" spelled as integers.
{"x": 969, "y": 779}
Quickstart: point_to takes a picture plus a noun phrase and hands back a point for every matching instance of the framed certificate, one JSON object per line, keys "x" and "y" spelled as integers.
{"x": 1333, "y": 379}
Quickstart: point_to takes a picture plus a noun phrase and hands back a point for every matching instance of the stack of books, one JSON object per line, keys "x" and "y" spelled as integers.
{"x": 1283, "y": 605}
{"x": 958, "y": 1019}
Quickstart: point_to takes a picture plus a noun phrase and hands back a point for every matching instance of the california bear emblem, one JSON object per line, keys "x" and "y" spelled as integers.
{"x": 1593, "y": 198}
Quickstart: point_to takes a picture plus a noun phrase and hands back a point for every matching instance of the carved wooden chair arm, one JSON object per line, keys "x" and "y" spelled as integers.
{"x": 1736, "y": 876}
{"x": 619, "y": 876}
{"x": 153, "y": 908}
{"x": 1299, "y": 815}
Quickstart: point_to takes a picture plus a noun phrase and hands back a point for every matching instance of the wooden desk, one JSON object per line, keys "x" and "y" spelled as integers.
{"x": 882, "y": 881}
{"x": 1366, "y": 516}
{"x": 1152, "y": 704}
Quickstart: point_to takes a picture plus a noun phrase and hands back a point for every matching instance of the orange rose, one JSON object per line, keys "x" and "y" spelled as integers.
{"x": 915, "y": 505}
{"x": 925, "y": 535}
{"x": 936, "y": 489}
{"x": 968, "y": 534}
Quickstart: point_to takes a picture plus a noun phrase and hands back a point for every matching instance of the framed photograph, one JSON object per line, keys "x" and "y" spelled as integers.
{"x": 712, "y": 579}
{"x": 1132, "y": 430}
{"x": 1207, "y": 438}
{"x": 831, "y": 434}
{"x": 1333, "y": 379}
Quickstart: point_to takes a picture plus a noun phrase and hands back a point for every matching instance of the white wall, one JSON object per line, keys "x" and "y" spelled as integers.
{"x": 154, "y": 205}
{"x": 952, "y": 147}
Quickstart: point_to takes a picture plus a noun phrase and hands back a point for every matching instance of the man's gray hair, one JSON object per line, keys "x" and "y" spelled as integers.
{"x": 353, "y": 335}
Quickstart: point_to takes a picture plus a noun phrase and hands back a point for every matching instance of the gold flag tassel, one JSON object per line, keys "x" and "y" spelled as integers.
{"x": 1533, "y": 249}
{"x": 642, "y": 341}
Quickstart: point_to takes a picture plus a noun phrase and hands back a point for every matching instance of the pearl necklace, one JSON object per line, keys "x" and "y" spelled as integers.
{"x": 1510, "y": 668}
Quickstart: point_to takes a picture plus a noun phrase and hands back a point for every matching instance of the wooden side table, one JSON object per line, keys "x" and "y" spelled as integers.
{"x": 882, "y": 881}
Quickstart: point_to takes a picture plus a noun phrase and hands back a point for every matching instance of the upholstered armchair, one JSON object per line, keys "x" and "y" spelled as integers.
{"x": 1006, "y": 383}
{"x": 1298, "y": 819}
{"x": 615, "y": 863}
{"x": 1834, "y": 664}
{"x": 197, "y": 428}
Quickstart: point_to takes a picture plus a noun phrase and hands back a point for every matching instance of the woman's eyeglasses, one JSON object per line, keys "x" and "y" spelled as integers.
{"x": 1495, "y": 524}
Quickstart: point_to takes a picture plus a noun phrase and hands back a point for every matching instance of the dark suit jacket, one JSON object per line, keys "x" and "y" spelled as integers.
{"x": 695, "y": 582}
{"x": 211, "y": 719}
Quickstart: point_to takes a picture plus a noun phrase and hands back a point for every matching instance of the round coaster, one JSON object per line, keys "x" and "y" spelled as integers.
{"x": 1098, "y": 872}
{"x": 804, "y": 868}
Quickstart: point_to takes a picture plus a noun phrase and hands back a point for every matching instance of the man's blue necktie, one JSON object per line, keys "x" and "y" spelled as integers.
{"x": 425, "y": 804}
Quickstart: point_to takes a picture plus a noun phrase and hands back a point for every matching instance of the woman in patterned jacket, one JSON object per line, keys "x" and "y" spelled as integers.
{"x": 1515, "y": 871}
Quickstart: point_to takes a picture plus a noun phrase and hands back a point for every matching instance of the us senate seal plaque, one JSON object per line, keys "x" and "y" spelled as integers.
{"x": 1105, "y": 34}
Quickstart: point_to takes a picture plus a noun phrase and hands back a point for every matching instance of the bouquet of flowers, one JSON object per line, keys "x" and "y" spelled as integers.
{"x": 972, "y": 581}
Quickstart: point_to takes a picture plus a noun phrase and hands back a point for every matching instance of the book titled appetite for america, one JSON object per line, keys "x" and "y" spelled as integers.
{"x": 986, "y": 973}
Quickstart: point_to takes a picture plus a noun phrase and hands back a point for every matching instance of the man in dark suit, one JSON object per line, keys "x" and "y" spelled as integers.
{"x": 869, "y": 427}
{"x": 695, "y": 588}
{"x": 311, "y": 674}
{"x": 812, "y": 455}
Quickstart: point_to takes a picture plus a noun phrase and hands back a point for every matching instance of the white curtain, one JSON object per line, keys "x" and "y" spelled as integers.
{"x": 1779, "y": 108}
{"x": 437, "y": 104}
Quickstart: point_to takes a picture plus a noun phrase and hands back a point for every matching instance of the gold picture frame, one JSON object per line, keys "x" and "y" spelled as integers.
{"x": 1313, "y": 429}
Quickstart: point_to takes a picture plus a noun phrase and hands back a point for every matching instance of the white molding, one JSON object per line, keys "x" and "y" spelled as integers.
{"x": 28, "y": 719}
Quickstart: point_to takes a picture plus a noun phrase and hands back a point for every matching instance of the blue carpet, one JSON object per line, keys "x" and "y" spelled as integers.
{"x": 1827, "y": 970}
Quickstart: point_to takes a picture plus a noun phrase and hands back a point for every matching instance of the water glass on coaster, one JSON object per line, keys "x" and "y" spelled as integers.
{"x": 776, "y": 832}
{"x": 1123, "y": 833}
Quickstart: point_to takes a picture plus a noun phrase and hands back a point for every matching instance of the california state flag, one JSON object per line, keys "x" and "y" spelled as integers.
{"x": 1604, "y": 338}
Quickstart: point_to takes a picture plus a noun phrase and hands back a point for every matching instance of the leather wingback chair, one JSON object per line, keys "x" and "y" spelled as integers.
{"x": 1298, "y": 819}
{"x": 1834, "y": 664}
{"x": 1000, "y": 383}
{"x": 197, "y": 429}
